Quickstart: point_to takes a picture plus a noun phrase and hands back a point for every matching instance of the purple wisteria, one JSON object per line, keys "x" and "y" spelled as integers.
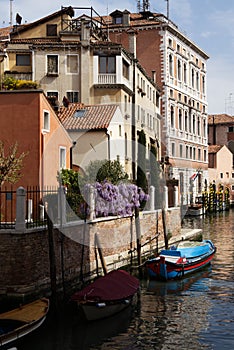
{"x": 118, "y": 200}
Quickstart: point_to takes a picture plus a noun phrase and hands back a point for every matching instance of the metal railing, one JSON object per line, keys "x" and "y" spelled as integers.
{"x": 25, "y": 208}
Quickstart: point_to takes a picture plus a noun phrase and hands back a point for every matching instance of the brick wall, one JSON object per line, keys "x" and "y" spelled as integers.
{"x": 25, "y": 258}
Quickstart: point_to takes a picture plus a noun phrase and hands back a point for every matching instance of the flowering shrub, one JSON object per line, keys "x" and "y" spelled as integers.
{"x": 118, "y": 200}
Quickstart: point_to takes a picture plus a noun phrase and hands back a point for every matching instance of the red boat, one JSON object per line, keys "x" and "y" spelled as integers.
{"x": 107, "y": 295}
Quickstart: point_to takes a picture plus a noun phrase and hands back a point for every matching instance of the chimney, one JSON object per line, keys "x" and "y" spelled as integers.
{"x": 85, "y": 32}
{"x": 154, "y": 75}
{"x": 132, "y": 34}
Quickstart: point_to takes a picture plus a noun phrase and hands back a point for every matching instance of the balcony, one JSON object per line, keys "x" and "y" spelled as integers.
{"x": 106, "y": 78}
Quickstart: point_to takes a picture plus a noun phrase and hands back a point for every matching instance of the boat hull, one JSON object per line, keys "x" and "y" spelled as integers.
{"x": 102, "y": 310}
{"x": 17, "y": 323}
{"x": 107, "y": 295}
{"x": 176, "y": 266}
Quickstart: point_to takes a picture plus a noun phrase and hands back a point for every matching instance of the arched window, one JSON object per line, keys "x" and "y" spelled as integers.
{"x": 186, "y": 121}
{"x": 179, "y": 70}
{"x": 198, "y": 126}
{"x": 185, "y": 73}
{"x": 192, "y": 78}
{"x": 180, "y": 120}
{"x": 170, "y": 65}
{"x": 203, "y": 84}
{"x": 194, "y": 124}
{"x": 172, "y": 117}
{"x": 197, "y": 81}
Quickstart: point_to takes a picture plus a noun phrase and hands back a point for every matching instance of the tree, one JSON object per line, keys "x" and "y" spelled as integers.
{"x": 10, "y": 164}
{"x": 109, "y": 170}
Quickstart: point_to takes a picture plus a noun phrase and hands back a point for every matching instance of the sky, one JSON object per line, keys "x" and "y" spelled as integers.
{"x": 208, "y": 23}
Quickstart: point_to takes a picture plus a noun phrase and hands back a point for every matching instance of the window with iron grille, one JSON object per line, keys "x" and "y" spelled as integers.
{"x": 73, "y": 96}
{"x": 52, "y": 64}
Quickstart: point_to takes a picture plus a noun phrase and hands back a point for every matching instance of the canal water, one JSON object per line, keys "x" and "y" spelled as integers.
{"x": 194, "y": 313}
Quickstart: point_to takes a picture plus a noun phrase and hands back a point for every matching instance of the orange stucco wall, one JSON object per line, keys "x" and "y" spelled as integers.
{"x": 21, "y": 121}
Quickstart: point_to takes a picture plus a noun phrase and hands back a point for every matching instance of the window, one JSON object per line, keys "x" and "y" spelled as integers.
{"x": 233, "y": 175}
{"x": 186, "y": 121}
{"x": 125, "y": 103}
{"x": 192, "y": 78}
{"x": 232, "y": 187}
{"x": 107, "y": 64}
{"x": 231, "y": 129}
{"x": 194, "y": 124}
{"x": 46, "y": 121}
{"x": 185, "y": 73}
{"x": 187, "y": 155}
{"x": 120, "y": 130}
{"x": 51, "y": 29}
{"x": 126, "y": 145}
{"x": 172, "y": 117}
{"x": 204, "y": 128}
{"x": 23, "y": 60}
{"x": 179, "y": 70}
{"x": 173, "y": 149}
{"x": 190, "y": 152}
{"x": 73, "y": 96}
{"x": 203, "y": 85}
{"x": 72, "y": 64}
{"x": 199, "y": 154}
{"x": 52, "y": 94}
{"x": 194, "y": 153}
{"x": 197, "y": 81}
{"x": 170, "y": 65}
{"x": 125, "y": 69}
{"x": 198, "y": 126}
{"x": 181, "y": 151}
{"x": 205, "y": 155}
{"x": 118, "y": 20}
{"x": 180, "y": 120}
{"x": 52, "y": 65}
{"x": 221, "y": 175}
{"x": 62, "y": 157}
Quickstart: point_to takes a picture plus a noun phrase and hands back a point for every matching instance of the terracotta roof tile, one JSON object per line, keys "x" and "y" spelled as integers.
{"x": 94, "y": 117}
{"x": 220, "y": 119}
{"x": 214, "y": 148}
{"x": 5, "y": 33}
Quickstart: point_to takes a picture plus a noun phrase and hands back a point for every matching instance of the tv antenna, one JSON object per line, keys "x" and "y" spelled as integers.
{"x": 145, "y": 6}
{"x": 10, "y": 12}
{"x": 167, "y": 8}
{"x": 229, "y": 104}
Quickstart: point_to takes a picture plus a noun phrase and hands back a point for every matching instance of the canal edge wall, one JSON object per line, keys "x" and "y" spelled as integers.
{"x": 26, "y": 256}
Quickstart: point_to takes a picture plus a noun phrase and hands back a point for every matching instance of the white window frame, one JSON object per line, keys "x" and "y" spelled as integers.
{"x": 46, "y": 121}
{"x": 47, "y": 71}
{"x": 62, "y": 153}
{"x": 71, "y": 73}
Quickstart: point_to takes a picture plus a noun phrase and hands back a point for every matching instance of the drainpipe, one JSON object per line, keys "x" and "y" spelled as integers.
{"x": 2, "y": 57}
{"x": 71, "y": 153}
{"x": 214, "y": 131}
{"x": 108, "y": 144}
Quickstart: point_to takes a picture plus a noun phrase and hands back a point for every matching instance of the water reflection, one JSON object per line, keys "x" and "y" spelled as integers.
{"x": 193, "y": 313}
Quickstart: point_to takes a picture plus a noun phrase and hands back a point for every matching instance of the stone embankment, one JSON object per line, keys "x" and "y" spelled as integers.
{"x": 33, "y": 261}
